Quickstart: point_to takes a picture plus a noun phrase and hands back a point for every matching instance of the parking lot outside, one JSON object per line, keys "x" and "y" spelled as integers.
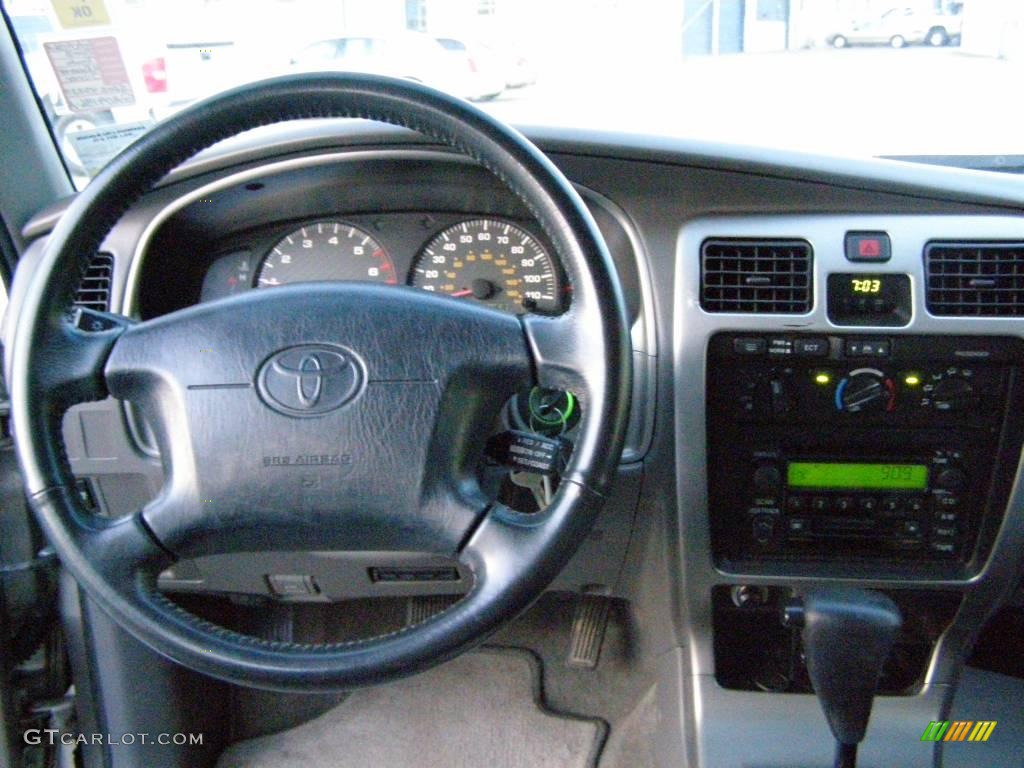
{"x": 683, "y": 68}
{"x": 864, "y": 101}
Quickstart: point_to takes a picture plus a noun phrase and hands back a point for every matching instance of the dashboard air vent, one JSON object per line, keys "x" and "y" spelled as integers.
{"x": 94, "y": 290}
{"x": 975, "y": 279}
{"x": 766, "y": 276}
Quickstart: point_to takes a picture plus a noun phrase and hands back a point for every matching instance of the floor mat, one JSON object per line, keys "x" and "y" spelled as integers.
{"x": 482, "y": 709}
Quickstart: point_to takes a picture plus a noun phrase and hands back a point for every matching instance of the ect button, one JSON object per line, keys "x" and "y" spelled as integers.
{"x": 813, "y": 347}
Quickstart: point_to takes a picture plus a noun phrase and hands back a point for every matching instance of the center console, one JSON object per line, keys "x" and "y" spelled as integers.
{"x": 847, "y": 454}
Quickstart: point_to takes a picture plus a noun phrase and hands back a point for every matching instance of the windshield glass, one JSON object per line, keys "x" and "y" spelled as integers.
{"x": 852, "y": 77}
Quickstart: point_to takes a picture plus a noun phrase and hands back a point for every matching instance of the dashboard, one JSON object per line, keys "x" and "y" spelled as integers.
{"x": 746, "y": 415}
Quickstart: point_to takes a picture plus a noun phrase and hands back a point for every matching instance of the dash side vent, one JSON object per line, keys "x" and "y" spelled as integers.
{"x": 983, "y": 279}
{"x": 94, "y": 289}
{"x": 762, "y": 276}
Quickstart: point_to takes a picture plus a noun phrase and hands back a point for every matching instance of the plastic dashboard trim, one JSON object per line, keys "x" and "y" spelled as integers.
{"x": 691, "y": 330}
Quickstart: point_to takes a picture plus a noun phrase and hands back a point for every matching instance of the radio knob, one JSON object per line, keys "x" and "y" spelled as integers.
{"x": 954, "y": 394}
{"x": 951, "y": 479}
{"x": 864, "y": 392}
{"x": 767, "y": 479}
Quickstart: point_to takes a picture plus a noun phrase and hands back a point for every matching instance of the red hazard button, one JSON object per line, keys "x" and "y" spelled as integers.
{"x": 868, "y": 246}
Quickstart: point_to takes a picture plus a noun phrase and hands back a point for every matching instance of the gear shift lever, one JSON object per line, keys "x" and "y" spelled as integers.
{"x": 847, "y": 635}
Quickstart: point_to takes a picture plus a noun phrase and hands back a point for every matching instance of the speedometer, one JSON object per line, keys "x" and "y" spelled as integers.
{"x": 326, "y": 250}
{"x": 492, "y": 262}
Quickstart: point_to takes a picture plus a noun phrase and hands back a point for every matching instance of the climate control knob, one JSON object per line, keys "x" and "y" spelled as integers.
{"x": 865, "y": 391}
{"x": 954, "y": 394}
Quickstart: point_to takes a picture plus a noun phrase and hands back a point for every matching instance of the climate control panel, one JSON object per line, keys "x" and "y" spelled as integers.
{"x": 848, "y": 380}
{"x": 845, "y": 448}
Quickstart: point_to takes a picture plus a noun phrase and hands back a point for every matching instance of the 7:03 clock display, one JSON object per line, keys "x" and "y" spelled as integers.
{"x": 869, "y": 285}
{"x": 869, "y": 298}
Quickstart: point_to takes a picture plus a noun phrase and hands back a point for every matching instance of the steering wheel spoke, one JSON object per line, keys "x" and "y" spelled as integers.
{"x": 506, "y": 539}
{"x": 117, "y": 549}
{"x": 569, "y": 352}
{"x": 563, "y": 349}
{"x": 77, "y": 348}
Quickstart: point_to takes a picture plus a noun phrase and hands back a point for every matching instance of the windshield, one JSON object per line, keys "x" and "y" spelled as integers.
{"x": 851, "y": 77}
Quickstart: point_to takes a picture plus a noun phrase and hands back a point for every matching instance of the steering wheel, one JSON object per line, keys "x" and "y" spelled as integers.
{"x": 394, "y": 389}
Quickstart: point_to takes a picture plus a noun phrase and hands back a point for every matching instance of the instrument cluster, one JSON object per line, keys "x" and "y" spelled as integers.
{"x": 496, "y": 262}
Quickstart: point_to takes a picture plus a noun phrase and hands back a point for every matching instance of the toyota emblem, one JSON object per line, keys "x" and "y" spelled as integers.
{"x": 309, "y": 380}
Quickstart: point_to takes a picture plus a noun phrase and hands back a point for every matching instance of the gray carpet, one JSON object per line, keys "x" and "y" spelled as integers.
{"x": 483, "y": 709}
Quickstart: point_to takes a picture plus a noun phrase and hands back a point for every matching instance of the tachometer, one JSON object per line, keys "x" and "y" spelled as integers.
{"x": 493, "y": 262}
{"x": 326, "y": 250}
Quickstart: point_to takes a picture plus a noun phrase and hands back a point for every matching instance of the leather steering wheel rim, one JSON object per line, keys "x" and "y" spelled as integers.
{"x": 60, "y": 359}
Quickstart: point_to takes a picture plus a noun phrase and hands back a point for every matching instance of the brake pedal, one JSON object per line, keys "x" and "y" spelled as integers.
{"x": 420, "y": 608}
{"x": 589, "y": 623}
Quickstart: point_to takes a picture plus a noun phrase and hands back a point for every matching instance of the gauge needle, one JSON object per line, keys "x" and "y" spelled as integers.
{"x": 461, "y": 294}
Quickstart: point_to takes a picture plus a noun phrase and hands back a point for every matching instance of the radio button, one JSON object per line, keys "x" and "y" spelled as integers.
{"x": 945, "y": 548}
{"x": 767, "y": 478}
{"x": 799, "y": 526}
{"x": 915, "y": 504}
{"x": 952, "y": 480}
{"x": 820, "y": 504}
{"x": 867, "y": 504}
{"x": 892, "y": 504}
{"x": 796, "y": 503}
{"x": 947, "y": 501}
{"x": 910, "y": 527}
{"x": 944, "y": 532}
{"x": 763, "y": 528}
{"x": 844, "y": 504}
{"x": 948, "y": 516}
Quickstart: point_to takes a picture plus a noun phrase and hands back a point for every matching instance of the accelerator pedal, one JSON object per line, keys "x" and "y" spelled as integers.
{"x": 589, "y": 623}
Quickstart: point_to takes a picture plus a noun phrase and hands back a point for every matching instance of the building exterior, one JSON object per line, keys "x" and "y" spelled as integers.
{"x": 994, "y": 28}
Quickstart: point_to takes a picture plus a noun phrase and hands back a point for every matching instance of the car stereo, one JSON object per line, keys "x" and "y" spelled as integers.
{"x": 847, "y": 448}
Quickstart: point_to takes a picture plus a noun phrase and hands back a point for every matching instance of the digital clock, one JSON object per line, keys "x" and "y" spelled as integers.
{"x": 869, "y": 298}
{"x": 869, "y": 285}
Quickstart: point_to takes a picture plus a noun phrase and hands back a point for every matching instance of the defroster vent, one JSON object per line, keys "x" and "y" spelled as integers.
{"x": 94, "y": 290}
{"x": 975, "y": 279}
{"x": 765, "y": 276}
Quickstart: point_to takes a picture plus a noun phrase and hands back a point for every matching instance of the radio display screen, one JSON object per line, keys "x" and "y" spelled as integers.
{"x": 829, "y": 476}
